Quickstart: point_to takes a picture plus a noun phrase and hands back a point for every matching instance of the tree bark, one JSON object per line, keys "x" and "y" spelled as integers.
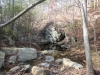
{"x": 21, "y": 13}
{"x": 89, "y": 64}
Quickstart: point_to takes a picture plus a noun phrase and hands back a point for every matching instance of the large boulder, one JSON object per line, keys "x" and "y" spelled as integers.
{"x": 25, "y": 54}
{"x": 51, "y": 34}
{"x": 58, "y": 39}
{"x": 39, "y": 71}
{"x": 2, "y": 56}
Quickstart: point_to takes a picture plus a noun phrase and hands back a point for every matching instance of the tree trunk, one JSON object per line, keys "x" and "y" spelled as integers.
{"x": 89, "y": 64}
{"x": 21, "y": 13}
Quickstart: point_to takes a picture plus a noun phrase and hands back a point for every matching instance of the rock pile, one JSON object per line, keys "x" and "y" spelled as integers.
{"x": 48, "y": 65}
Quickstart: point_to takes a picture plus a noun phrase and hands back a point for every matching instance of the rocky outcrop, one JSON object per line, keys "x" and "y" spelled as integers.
{"x": 57, "y": 39}
{"x": 2, "y": 56}
{"x": 47, "y": 65}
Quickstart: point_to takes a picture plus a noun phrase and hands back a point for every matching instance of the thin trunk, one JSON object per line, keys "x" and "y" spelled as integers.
{"x": 30, "y": 29}
{"x": 0, "y": 12}
{"x": 94, "y": 4}
{"x": 9, "y": 15}
{"x": 97, "y": 3}
{"x": 73, "y": 23}
{"x": 94, "y": 35}
{"x": 13, "y": 13}
{"x": 89, "y": 64}
{"x": 9, "y": 5}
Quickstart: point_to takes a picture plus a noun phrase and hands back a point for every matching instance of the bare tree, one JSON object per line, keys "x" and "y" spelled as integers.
{"x": 89, "y": 64}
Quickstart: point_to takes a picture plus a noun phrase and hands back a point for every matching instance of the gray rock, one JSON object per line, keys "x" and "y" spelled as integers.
{"x": 39, "y": 71}
{"x": 26, "y": 67}
{"x": 68, "y": 62}
{"x": 2, "y": 56}
{"x": 12, "y": 59}
{"x": 49, "y": 58}
{"x": 14, "y": 69}
{"x": 58, "y": 61}
{"x": 44, "y": 64}
{"x": 20, "y": 68}
{"x": 25, "y": 54}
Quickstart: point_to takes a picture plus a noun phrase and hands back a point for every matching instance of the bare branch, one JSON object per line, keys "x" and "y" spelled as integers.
{"x": 21, "y": 13}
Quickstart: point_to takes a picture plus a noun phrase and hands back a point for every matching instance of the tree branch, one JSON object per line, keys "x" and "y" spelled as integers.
{"x": 21, "y": 13}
